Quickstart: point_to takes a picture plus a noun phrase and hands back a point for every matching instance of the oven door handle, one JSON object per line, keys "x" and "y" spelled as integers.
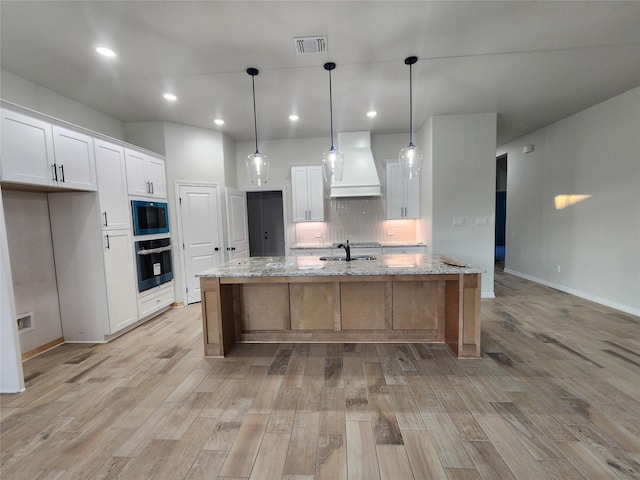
{"x": 150, "y": 251}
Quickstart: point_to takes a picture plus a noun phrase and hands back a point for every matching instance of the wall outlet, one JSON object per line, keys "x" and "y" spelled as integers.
{"x": 390, "y": 233}
{"x": 458, "y": 221}
{"x": 557, "y": 268}
{"x": 482, "y": 220}
{"x": 317, "y": 235}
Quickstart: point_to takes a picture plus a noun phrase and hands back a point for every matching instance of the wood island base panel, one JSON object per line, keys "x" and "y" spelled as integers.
{"x": 390, "y": 299}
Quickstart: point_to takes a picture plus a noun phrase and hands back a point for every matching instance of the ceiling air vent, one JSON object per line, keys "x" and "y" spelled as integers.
{"x": 310, "y": 45}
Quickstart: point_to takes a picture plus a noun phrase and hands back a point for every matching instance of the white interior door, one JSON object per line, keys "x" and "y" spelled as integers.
{"x": 237, "y": 224}
{"x": 201, "y": 233}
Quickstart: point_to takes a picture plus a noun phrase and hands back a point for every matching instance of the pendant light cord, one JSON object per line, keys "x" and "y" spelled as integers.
{"x": 255, "y": 120}
{"x": 410, "y": 61}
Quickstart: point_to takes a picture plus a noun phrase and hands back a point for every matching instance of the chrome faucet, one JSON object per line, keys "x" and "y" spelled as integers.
{"x": 347, "y": 249}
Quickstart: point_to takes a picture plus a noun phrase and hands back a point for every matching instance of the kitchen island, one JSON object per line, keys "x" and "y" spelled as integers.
{"x": 402, "y": 298}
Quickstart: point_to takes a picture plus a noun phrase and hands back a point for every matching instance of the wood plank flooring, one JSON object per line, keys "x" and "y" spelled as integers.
{"x": 555, "y": 396}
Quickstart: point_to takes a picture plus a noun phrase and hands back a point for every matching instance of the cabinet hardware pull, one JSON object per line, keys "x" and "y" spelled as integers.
{"x": 55, "y": 172}
{"x": 148, "y": 187}
{"x": 106, "y": 224}
{"x": 151, "y": 187}
{"x": 108, "y": 245}
{"x": 62, "y": 172}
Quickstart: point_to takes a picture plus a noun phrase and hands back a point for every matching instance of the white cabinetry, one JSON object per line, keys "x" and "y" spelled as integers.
{"x": 311, "y": 252}
{"x": 112, "y": 186}
{"x": 145, "y": 175}
{"x": 27, "y": 150}
{"x": 74, "y": 159}
{"x": 37, "y": 152}
{"x": 156, "y": 299}
{"x": 403, "y": 195}
{"x": 405, "y": 249}
{"x": 307, "y": 191}
{"x": 120, "y": 275}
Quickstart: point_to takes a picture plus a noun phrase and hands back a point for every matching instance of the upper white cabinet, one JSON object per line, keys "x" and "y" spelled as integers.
{"x": 27, "y": 150}
{"x": 74, "y": 159}
{"x": 36, "y": 152}
{"x": 112, "y": 186}
{"x": 145, "y": 175}
{"x": 403, "y": 195}
{"x": 307, "y": 191}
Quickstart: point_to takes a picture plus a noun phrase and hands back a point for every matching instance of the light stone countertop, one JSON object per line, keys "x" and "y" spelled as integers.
{"x": 396, "y": 264}
{"x": 308, "y": 246}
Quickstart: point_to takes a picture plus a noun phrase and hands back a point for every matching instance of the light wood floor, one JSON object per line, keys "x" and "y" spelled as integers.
{"x": 556, "y": 395}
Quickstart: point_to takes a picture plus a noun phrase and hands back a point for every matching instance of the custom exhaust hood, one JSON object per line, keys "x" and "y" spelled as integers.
{"x": 360, "y": 177}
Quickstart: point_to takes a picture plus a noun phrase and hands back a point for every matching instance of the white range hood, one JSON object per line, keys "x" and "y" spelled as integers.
{"x": 360, "y": 177}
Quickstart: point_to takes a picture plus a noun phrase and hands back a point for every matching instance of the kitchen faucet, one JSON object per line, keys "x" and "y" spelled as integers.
{"x": 347, "y": 249}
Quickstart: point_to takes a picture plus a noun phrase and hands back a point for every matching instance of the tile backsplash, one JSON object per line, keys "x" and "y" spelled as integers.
{"x": 358, "y": 219}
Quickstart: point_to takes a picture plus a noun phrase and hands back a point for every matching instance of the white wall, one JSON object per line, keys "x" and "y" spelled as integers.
{"x": 32, "y": 265}
{"x": 193, "y": 155}
{"x": 11, "y": 376}
{"x": 22, "y": 92}
{"x": 463, "y": 178}
{"x": 595, "y": 242}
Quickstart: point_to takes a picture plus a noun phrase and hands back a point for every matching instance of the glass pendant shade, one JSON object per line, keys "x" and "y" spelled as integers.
{"x": 258, "y": 168}
{"x": 257, "y": 163}
{"x": 332, "y": 165}
{"x": 410, "y": 161}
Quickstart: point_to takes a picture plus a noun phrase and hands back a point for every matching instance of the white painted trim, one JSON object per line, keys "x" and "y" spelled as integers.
{"x": 577, "y": 293}
{"x": 487, "y": 295}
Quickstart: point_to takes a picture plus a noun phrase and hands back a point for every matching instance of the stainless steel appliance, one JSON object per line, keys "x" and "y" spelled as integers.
{"x": 155, "y": 266}
{"x": 149, "y": 217}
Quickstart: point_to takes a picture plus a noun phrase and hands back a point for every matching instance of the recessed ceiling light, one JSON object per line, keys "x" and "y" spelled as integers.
{"x": 169, "y": 96}
{"x": 106, "y": 52}
{"x": 371, "y": 113}
{"x": 218, "y": 121}
{"x": 294, "y": 118}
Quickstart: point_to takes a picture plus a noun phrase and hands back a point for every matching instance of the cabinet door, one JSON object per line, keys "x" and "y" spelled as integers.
{"x": 75, "y": 159}
{"x": 395, "y": 193}
{"x": 412, "y": 197}
{"x": 136, "y": 180}
{"x": 154, "y": 174}
{"x": 315, "y": 193}
{"x": 119, "y": 265}
{"x": 27, "y": 150}
{"x": 299, "y": 194}
{"x": 112, "y": 186}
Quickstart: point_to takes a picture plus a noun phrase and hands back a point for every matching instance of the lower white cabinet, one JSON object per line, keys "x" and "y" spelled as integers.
{"x": 155, "y": 300}
{"x": 120, "y": 275}
{"x": 405, "y": 249}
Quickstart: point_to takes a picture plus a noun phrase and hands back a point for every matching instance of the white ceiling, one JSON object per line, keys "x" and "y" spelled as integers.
{"x": 531, "y": 62}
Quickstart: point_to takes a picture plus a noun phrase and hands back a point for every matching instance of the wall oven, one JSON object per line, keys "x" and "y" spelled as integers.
{"x": 149, "y": 217}
{"x": 154, "y": 263}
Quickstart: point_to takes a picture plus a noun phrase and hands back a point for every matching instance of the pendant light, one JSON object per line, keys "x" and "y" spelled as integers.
{"x": 410, "y": 156}
{"x": 257, "y": 163}
{"x": 332, "y": 160}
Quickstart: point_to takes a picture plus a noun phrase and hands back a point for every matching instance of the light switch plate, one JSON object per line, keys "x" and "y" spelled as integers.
{"x": 482, "y": 220}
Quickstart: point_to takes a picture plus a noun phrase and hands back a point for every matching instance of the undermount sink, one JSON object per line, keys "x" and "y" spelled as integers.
{"x": 355, "y": 257}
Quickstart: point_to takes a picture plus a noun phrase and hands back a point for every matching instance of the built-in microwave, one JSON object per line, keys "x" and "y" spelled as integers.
{"x": 149, "y": 217}
{"x": 153, "y": 258}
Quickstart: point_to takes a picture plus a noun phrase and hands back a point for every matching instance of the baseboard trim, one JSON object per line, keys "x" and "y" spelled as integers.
{"x": 42, "y": 348}
{"x": 577, "y": 293}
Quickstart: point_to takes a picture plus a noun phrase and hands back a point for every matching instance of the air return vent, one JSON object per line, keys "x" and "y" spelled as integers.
{"x": 310, "y": 45}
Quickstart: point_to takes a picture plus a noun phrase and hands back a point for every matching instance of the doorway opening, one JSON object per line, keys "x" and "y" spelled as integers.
{"x": 501, "y": 209}
{"x": 266, "y": 224}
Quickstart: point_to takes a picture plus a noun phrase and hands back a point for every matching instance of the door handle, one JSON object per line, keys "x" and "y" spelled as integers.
{"x": 216, "y": 249}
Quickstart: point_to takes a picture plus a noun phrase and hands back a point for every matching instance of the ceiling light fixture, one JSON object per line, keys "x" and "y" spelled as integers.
{"x": 332, "y": 160}
{"x": 105, "y": 52}
{"x": 410, "y": 156}
{"x": 170, "y": 96}
{"x": 294, "y": 118}
{"x": 371, "y": 113}
{"x": 218, "y": 121}
{"x": 257, "y": 163}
